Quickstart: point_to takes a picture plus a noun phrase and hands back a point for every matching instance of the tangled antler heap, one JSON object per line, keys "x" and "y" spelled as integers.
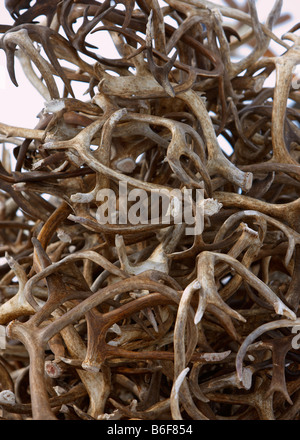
{"x": 120, "y": 320}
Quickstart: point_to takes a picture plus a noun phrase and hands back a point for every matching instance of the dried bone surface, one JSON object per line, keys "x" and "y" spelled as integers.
{"x": 123, "y": 320}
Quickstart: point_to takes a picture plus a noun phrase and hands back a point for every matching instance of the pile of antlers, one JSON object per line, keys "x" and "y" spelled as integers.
{"x": 141, "y": 321}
